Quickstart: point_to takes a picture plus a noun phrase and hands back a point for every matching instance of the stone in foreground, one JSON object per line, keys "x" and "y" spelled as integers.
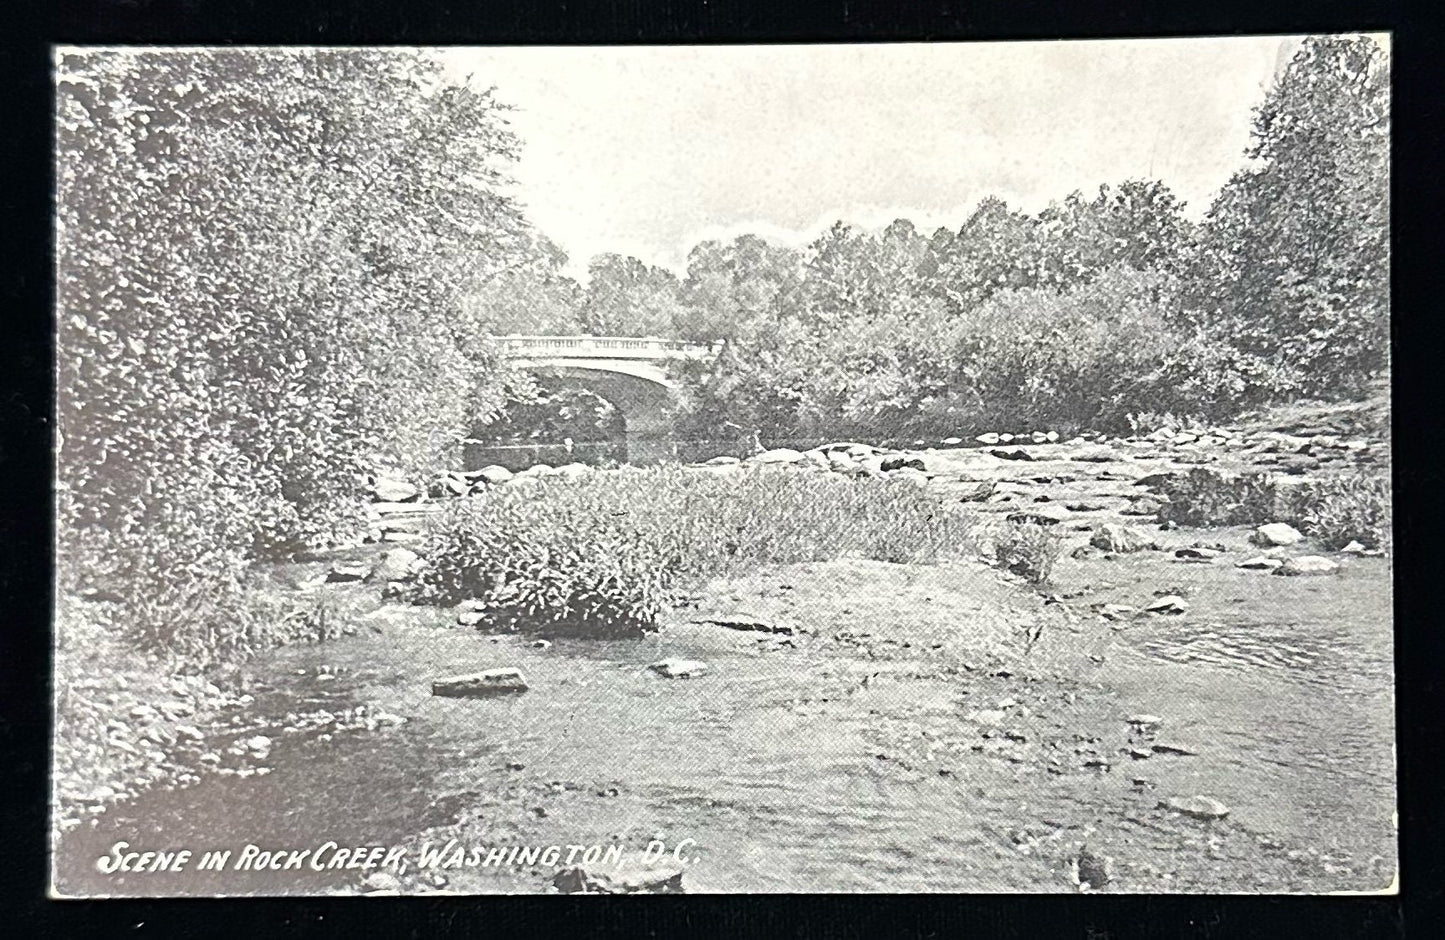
{"x": 1200, "y": 807}
{"x": 1121, "y": 539}
{"x": 481, "y": 684}
{"x": 1276, "y": 533}
{"x": 1169, "y": 604}
{"x": 1306, "y": 565}
{"x": 678, "y": 668}
{"x": 620, "y": 880}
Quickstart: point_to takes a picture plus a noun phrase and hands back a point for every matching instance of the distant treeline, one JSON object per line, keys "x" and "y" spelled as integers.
{"x": 1098, "y": 307}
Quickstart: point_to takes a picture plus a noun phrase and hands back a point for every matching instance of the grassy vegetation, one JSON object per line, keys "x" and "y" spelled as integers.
{"x": 1335, "y": 511}
{"x": 1027, "y": 549}
{"x": 599, "y": 555}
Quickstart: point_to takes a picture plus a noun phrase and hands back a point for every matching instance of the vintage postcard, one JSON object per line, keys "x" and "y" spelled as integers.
{"x": 950, "y": 467}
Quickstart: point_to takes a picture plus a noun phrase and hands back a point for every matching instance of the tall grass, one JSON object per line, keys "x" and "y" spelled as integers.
{"x": 599, "y": 555}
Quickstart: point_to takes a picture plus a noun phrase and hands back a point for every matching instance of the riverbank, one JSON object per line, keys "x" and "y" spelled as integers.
{"x": 896, "y": 727}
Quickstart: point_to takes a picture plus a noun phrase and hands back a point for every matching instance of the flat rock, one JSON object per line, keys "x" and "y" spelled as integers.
{"x": 491, "y": 682}
{"x": 678, "y": 668}
{"x": 1200, "y": 807}
{"x": 347, "y": 572}
{"x": 631, "y": 879}
{"x": 1143, "y": 720}
{"x": 1260, "y": 563}
{"x": 395, "y": 564}
{"x": 395, "y": 491}
{"x": 1198, "y": 553}
{"x": 990, "y": 439}
{"x": 494, "y": 475}
{"x": 1044, "y": 514}
{"x": 754, "y": 626}
{"x": 1168, "y": 604}
{"x": 1113, "y": 537}
{"x": 722, "y": 460}
{"x": 1307, "y": 565}
{"x": 777, "y": 455}
{"x": 1276, "y": 533}
{"x": 1017, "y": 453}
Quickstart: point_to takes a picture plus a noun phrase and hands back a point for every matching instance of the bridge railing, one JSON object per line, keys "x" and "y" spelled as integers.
{"x": 601, "y": 347}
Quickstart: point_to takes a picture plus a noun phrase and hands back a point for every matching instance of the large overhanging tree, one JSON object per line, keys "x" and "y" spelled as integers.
{"x": 260, "y": 255}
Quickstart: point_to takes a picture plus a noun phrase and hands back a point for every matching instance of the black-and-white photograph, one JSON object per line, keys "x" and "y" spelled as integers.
{"x": 848, "y": 468}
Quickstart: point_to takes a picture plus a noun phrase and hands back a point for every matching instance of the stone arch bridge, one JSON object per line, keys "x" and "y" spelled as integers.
{"x": 630, "y": 372}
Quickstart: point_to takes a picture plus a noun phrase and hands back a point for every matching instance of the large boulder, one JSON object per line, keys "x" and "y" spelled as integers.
{"x": 1307, "y": 565}
{"x": 396, "y": 564}
{"x": 391, "y": 490}
{"x": 503, "y": 681}
{"x": 494, "y": 475}
{"x": 1276, "y": 533}
{"x": 1119, "y": 539}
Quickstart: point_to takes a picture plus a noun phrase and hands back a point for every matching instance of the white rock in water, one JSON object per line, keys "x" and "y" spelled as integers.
{"x": 952, "y": 441}
{"x": 470, "y": 618}
{"x": 345, "y": 572}
{"x": 1277, "y": 533}
{"x": 396, "y": 564}
{"x": 395, "y": 491}
{"x": 1200, "y": 807}
{"x": 817, "y": 458}
{"x": 678, "y": 668}
{"x": 1169, "y": 604}
{"x": 989, "y": 439}
{"x": 1051, "y": 436}
{"x": 1260, "y": 563}
{"x": 1307, "y": 564}
{"x": 1354, "y": 548}
{"x": 778, "y": 455}
{"x": 494, "y": 475}
{"x": 491, "y": 682}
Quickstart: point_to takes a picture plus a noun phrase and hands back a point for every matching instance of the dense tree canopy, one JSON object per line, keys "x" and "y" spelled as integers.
{"x": 259, "y": 275}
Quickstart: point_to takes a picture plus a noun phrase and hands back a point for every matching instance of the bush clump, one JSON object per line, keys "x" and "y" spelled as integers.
{"x": 1348, "y": 509}
{"x": 1209, "y": 498}
{"x": 1027, "y": 549}
{"x": 599, "y": 555}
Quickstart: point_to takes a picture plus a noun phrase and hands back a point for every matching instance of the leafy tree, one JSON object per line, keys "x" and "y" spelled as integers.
{"x": 628, "y": 298}
{"x": 259, "y": 261}
{"x": 734, "y": 289}
{"x": 532, "y": 296}
{"x": 1294, "y": 266}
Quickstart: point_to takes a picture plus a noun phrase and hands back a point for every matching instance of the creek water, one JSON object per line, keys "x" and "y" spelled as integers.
{"x": 829, "y": 765}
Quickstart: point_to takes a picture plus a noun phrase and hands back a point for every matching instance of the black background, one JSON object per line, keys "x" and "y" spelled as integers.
{"x": 26, "y": 326}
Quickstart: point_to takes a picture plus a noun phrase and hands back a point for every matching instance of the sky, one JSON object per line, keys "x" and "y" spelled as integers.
{"x": 648, "y": 150}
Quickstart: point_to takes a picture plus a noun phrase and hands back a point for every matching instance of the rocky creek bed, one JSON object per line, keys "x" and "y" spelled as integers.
{"x": 859, "y": 726}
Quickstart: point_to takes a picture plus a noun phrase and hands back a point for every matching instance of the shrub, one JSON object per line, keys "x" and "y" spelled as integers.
{"x": 1209, "y": 498}
{"x": 1027, "y": 549}
{"x": 600, "y": 554}
{"x": 1347, "y": 509}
